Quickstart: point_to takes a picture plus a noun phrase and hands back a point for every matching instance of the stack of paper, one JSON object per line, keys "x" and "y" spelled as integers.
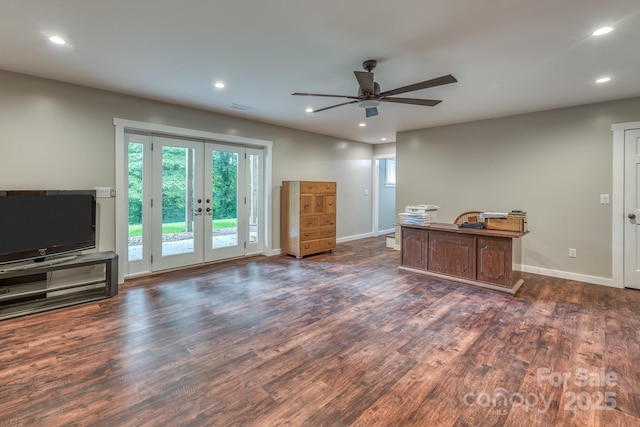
{"x": 416, "y": 218}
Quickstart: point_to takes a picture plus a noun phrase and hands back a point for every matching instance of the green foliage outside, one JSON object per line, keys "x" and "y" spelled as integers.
{"x": 225, "y": 183}
{"x": 135, "y": 183}
{"x": 177, "y": 172}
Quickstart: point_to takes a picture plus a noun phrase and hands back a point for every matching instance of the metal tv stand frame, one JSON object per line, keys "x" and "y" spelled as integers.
{"x": 32, "y": 288}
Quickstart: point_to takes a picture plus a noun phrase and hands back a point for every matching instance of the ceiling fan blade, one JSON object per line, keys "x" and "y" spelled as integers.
{"x": 414, "y": 101}
{"x": 326, "y": 95}
{"x": 365, "y": 80}
{"x": 334, "y": 106}
{"x": 438, "y": 81}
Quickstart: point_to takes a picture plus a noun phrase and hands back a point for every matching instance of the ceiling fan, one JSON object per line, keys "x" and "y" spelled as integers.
{"x": 369, "y": 95}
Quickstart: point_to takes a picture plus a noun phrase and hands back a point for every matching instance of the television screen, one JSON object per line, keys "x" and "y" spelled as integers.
{"x": 38, "y": 224}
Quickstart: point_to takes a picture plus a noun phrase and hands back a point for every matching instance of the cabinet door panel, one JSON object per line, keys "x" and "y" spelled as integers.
{"x": 330, "y": 204}
{"x": 414, "y": 248}
{"x": 306, "y": 204}
{"x": 452, "y": 254}
{"x": 494, "y": 261}
{"x": 318, "y": 203}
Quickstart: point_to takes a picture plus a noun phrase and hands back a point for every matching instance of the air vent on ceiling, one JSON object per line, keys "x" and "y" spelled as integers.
{"x": 240, "y": 107}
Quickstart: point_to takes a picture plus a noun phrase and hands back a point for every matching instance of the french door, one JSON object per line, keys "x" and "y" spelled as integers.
{"x": 191, "y": 202}
{"x": 225, "y": 189}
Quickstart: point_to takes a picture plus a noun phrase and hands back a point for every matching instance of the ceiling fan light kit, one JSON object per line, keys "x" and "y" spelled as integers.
{"x": 370, "y": 96}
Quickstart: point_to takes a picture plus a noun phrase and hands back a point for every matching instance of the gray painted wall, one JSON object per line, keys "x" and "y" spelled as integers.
{"x": 61, "y": 136}
{"x": 553, "y": 164}
{"x": 384, "y": 149}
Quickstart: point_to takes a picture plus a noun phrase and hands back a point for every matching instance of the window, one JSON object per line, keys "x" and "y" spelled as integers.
{"x": 390, "y": 180}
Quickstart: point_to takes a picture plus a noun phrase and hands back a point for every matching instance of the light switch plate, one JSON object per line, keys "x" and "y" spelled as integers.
{"x": 604, "y": 199}
{"x": 103, "y": 192}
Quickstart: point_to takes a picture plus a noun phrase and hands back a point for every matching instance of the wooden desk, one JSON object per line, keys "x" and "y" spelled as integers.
{"x": 482, "y": 258}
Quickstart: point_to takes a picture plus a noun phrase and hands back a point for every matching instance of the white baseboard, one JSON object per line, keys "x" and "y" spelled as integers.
{"x": 354, "y": 237}
{"x": 383, "y": 232}
{"x": 596, "y": 280}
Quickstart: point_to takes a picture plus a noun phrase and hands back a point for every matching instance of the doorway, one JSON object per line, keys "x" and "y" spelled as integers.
{"x": 199, "y": 202}
{"x": 384, "y": 195}
{"x": 625, "y": 212}
{"x": 188, "y": 200}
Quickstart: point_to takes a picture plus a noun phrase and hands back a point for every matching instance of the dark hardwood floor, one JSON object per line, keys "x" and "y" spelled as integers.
{"x": 335, "y": 339}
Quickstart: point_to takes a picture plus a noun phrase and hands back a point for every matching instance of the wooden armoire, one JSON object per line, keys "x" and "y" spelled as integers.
{"x": 308, "y": 217}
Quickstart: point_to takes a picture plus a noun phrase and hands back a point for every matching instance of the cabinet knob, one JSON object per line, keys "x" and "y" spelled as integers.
{"x": 631, "y": 216}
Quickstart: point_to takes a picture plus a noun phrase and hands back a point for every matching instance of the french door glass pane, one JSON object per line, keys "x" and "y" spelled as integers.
{"x": 224, "y": 199}
{"x": 178, "y": 168}
{"x": 254, "y": 201}
{"x": 135, "y": 201}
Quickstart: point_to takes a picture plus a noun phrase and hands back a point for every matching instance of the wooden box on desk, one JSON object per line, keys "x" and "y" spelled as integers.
{"x": 510, "y": 223}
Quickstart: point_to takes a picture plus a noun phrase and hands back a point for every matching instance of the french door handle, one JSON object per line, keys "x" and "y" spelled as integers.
{"x": 631, "y": 216}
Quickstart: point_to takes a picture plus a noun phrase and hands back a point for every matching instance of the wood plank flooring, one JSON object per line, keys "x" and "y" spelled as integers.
{"x": 335, "y": 339}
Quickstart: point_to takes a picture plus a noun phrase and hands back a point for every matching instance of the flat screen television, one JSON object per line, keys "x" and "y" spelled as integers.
{"x": 35, "y": 225}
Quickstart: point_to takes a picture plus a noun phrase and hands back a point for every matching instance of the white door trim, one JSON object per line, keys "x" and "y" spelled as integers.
{"x": 617, "y": 207}
{"x": 121, "y": 221}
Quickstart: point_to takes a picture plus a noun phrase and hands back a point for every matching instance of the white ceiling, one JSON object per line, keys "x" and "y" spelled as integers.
{"x": 509, "y": 56}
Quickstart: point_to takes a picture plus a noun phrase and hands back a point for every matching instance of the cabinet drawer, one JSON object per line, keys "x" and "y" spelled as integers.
{"x": 309, "y": 222}
{"x": 314, "y": 246}
{"x": 327, "y": 220}
{"x": 317, "y": 234}
{"x": 317, "y": 187}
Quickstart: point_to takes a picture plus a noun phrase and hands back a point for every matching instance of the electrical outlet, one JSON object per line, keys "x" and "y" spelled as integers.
{"x": 572, "y": 253}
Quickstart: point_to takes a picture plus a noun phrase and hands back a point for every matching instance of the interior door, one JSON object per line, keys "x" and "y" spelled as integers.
{"x": 632, "y": 209}
{"x": 225, "y": 225}
{"x": 178, "y": 205}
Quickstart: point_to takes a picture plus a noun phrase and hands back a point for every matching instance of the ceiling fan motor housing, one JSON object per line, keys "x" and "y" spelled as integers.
{"x": 369, "y": 100}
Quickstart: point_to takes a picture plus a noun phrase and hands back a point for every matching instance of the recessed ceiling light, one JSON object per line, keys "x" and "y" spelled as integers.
{"x": 219, "y": 85}
{"x": 601, "y": 31}
{"x": 383, "y": 139}
{"x": 57, "y": 40}
{"x": 309, "y": 110}
{"x": 362, "y": 125}
{"x": 603, "y": 79}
